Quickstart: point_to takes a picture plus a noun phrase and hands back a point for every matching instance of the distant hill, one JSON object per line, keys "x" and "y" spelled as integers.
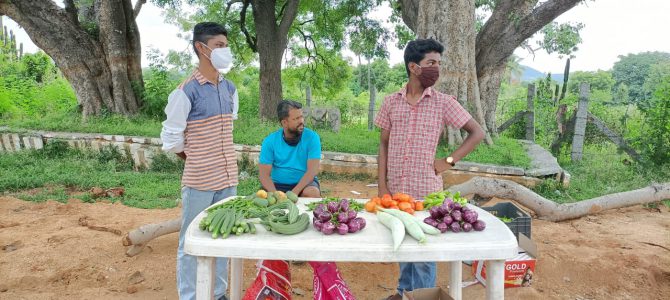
{"x": 530, "y": 74}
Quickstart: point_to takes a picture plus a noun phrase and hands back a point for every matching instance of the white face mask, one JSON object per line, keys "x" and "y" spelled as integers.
{"x": 221, "y": 58}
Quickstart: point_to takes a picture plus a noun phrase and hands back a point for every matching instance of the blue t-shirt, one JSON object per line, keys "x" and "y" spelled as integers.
{"x": 289, "y": 163}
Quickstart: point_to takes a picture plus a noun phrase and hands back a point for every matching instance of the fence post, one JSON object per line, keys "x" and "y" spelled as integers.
{"x": 530, "y": 113}
{"x": 580, "y": 123}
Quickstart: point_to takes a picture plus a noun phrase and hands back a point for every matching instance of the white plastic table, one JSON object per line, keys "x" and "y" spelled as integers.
{"x": 373, "y": 244}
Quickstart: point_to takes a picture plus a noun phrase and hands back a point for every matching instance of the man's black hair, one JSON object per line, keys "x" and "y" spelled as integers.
{"x": 416, "y": 50}
{"x": 203, "y": 32}
{"x": 285, "y": 106}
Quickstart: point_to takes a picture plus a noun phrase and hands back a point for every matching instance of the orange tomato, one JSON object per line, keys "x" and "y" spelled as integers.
{"x": 386, "y": 202}
{"x": 411, "y": 204}
{"x": 394, "y": 203}
{"x": 370, "y": 206}
{"x": 377, "y": 200}
{"x": 396, "y": 196}
{"x": 409, "y": 211}
{"x": 394, "y": 207}
{"x": 419, "y": 206}
{"x": 404, "y": 205}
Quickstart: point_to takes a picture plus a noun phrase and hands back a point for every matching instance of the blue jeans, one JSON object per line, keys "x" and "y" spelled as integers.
{"x": 193, "y": 202}
{"x": 416, "y": 275}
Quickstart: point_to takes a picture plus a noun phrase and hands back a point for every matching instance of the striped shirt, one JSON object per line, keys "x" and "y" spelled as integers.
{"x": 199, "y": 122}
{"x": 415, "y": 133}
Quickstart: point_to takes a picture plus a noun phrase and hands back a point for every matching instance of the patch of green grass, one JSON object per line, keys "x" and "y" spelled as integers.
{"x": 57, "y": 194}
{"x": 72, "y": 122}
{"x": 350, "y": 138}
{"x": 602, "y": 171}
{"x": 503, "y": 152}
{"x": 57, "y": 171}
{"x": 361, "y": 177}
{"x": 248, "y": 186}
{"x": 83, "y": 171}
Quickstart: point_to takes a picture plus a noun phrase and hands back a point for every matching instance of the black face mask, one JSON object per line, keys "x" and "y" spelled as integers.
{"x": 293, "y": 141}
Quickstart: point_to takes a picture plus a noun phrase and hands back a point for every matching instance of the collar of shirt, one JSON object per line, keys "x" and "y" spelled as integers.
{"x": 201, "y": 79}
{"x": 428, "y": 92}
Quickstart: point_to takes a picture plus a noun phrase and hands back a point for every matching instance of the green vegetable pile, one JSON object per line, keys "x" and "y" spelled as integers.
{"x": 436, "y": 199}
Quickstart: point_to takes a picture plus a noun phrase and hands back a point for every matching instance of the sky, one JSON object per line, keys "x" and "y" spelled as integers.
{"x": 612, "y": 28}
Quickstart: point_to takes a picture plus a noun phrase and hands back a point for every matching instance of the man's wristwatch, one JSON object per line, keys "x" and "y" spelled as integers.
{"x": 450, "y": 161}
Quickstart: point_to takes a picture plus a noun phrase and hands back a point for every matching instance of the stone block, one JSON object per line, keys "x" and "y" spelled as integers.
{"x": 17, "y": 142}
{"x": 138, "y": 140}
{"x": 37, "y": 142}
{"x": 26, "y": 142}
{"x": 96, "y": 145}
{"x": 3, "y": 147}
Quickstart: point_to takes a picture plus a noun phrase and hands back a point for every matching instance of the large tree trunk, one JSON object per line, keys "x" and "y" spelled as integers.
{"x": 105, "y": 72}
{"x": 552, "y": 211}
{"x": 489, "y": 87}
{"x": 452, "y": 23}
{"x": 270, "y": 55}
{"x": 272, "y": 38}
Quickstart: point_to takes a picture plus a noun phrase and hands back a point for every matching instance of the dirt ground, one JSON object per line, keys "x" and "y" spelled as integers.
{"x": 52, "y": 250}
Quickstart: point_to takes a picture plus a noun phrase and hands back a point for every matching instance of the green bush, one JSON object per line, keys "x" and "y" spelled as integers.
{"x": 115, "y": 158}
{"x": 656, "y": 141}
{"x": 158, "y": 85}
{"x": 6, "y": 106}
{"x": 55, "y": 149}
{"x": 161, "y": 162}
{"x": 38, "y": 67}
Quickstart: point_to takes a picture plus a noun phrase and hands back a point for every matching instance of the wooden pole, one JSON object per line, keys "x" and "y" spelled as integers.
{"x": 580, "y": 123}
{"x": 530, "y": 113}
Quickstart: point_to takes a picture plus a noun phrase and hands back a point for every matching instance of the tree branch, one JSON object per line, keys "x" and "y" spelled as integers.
{"x": 229, "y": 4}
{"x": 410, "y": 11}
{"x": 281, "y": 10}
{"x": 303, "y": 23}
{"x": 251, "y": 40}
{"x": 305, "y": 38}
{"x": 511, "y": 23}
{"x": 72, "y": 12}
{"x": 289, "y": 15}
{"x": 138, "y": 7}
{"x": 552, "y": 211}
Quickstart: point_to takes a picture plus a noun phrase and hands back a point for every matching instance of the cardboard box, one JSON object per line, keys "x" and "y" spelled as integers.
{"x": 519, "y": 270}
{"x": 435, "y": 293}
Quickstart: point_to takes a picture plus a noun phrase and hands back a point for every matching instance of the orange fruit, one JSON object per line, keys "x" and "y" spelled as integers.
{"x": 377, "y": 200}
{"x": 404, "y": 205}
{"x": 419, "y": 206}
{"x": 370, "y": 206}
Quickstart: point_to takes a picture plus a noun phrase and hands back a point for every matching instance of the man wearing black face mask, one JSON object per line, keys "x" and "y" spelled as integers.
{"x": 290, "y": 156}
{"x": 411, "y": 122}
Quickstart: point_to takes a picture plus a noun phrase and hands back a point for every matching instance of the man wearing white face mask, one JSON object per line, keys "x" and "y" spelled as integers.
{"x": 199, "y": 129}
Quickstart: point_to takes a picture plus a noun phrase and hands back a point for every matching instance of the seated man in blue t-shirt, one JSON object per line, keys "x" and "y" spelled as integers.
{"x": 290, "y": 156}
